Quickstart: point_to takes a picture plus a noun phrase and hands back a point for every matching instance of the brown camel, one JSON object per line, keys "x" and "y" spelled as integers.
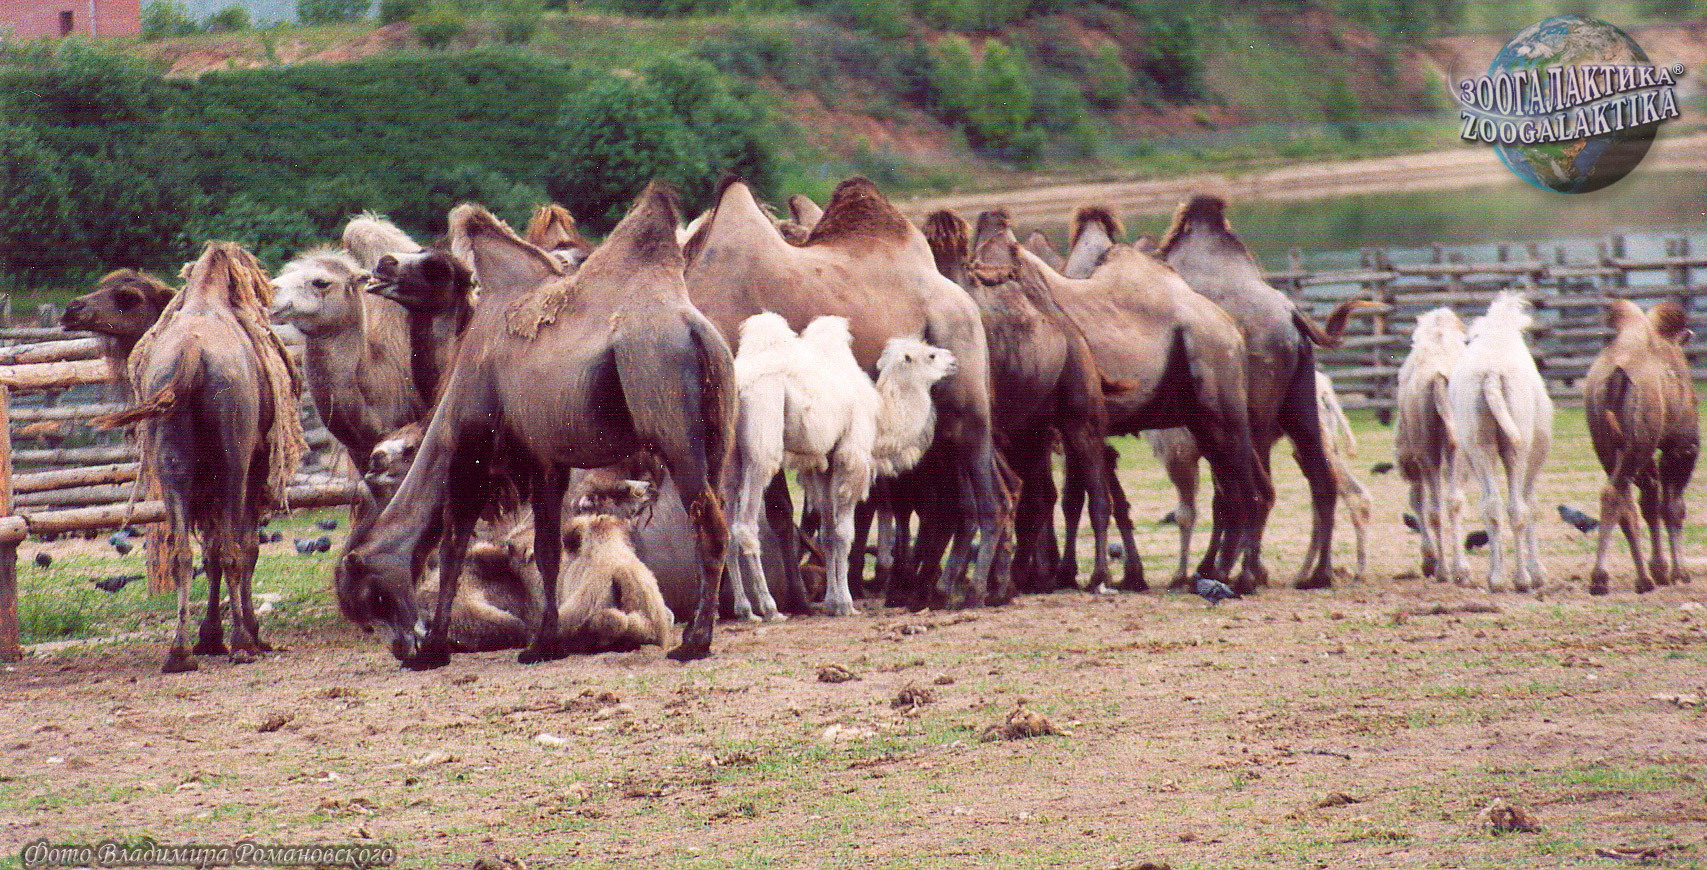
{"x": 1645, "y": 427}
{"x": 219, "y": 430}
{"x": 1280, "y": 364}
{"x": 123, "y": 305}
{"x": 1179, "y": 360}
{"x": 554, "y": 372}
{"x": 552, "y": 229}
{"x": 1044, "y": 379}
{"x": 865, "y": 262}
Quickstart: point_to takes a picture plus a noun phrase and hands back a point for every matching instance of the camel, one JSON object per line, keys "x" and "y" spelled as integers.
{"x": 1502, "y": 419}
{"x": 218, "y": 428}
{"x": 1179, "y": 359}
{"x": 865, "y": 262}
{"x": 1280, "y": 364}
{"x": 368, "y": 237}
{"x": 357, "y": 356}
{"x": 1646, "y": 429}
{"x": 1424, "y": 447}
{"x": 611, "y": 601}
{"x": 552, "y": 229}
{"x": 436, "y": 291}
{"x": 554, "y": 372}
{"x": 806, "y": 404}
{"x": 1045, "y": 381}
{"x": 123, "y": 305}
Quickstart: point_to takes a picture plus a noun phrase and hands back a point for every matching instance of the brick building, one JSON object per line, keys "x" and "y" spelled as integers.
{"x": 27, "y": 19}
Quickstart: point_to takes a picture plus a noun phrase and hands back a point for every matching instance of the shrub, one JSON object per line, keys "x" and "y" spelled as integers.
{"x": 38, "y": 235}
{"x": 438, "y": 24}
{"x": 886, "y": 18}
{"x": 1110, "y": 81}
{"x": 164, "y": 19}
{"x": 228, "y": 20}
{"x": 617, "y": 135}
{"x": 331, "y": 11}
{"x": 273, "y": 233}
{"x": 393, "y": 11}
{"x": 517, "y": 20}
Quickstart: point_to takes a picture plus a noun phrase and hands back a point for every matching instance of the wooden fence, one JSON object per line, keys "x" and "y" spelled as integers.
{"x": 1569, "y": 299}
{"x": 55, "y": 490}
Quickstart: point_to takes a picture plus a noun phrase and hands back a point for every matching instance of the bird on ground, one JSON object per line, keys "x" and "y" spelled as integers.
{"x": 304, "y": 548}
{"x": 114, "y": 584}
{"x": 1172, "y": 518}
{"x": 1116, "y": 550}
{"x": 43, "y": 559}
{"x": 1582, "y": 521}
{"x": 323, "y": 544}
{"x": 1475, "y": 539}
{"x": 1381, "y": 468}
{"x": 1212, "y": 591}
{"x": 1412, "y": 523}
{"x": 328, "y": 523}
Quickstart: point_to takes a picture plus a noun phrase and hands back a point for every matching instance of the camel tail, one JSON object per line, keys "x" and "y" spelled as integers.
{"x": 186, "y": 381}
{"x": 1442, "y": 405}
{"x": 1617, "y": 396}
{"x": 1334, "y": 334}
{"x": 1493, "y": 393}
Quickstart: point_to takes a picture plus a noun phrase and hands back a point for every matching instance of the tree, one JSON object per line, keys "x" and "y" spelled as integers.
{"x": 618, "y": 134}
{"x": 331, "y": 11}
{"x": 37, "y": 238}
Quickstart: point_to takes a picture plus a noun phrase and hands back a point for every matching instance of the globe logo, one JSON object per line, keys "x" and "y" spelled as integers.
{"x": 1570, "y": 104}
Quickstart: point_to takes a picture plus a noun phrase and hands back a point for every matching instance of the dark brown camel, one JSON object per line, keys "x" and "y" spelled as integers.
{"x": 554, "y": 372}
{"x": 218, "y": 428}
{"x": 1280, "y": 364}
{"x": 123, "y": 305}
{"x": 436, "y": 291}
{"x": 1646, "y": 429}
{"x": 1180, "y": 362}
{"x": 1044, "y": 379}
{"x": 865, "y": 262}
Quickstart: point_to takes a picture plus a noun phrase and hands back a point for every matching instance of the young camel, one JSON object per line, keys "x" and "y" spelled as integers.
{"x": 1502, "y": 419}
{"x": 1640, "y": 402}
{"x": 123, "y": 305}
{"x": 1424, "y": 446}
{"x": 805, "y": 403}
{"x": 1177, "y": 451}
{"x": 218, "y": 429}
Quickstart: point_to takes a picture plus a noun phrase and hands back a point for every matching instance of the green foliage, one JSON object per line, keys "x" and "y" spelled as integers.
{"x": 441, "y": 189}
{"x": 1341, "y": 109}
{"x": 273, "y": 233}
{"x": 393, "y": 11}
{"x": 331, "y": 11}
{"x": 990, "y": 101}
{"x": 751, "y": 53}
{"x": 1173, "y": 56}
{"x": 885, "y": 18}
{"x": 228, "y": 20}
{"x": 35, "y": 240}
{"x": 978, "y": 14}
{"x": 517, "y": 20}
{"x": 1110, "y": 79}
{"x": 439, "y": 23}
{"x": 164, "y": 19}
{"x": 691, "y": 8}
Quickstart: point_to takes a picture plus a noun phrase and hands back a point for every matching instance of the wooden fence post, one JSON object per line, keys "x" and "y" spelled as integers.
{"x": 10, "y": 648}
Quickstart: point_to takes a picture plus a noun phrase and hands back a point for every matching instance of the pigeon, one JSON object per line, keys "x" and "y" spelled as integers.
{"x": 114, "y": 584}
{"x": 123, "y": 546}
{"x": 1475, "y": 539}
{"x": 1171, "y": 519}
{"x": 304, "y": 548}
{"x": 277, "y": 537}
{"x": 1116, "y": 550}
{"x": 1412, "y": 523}
{"x": 323, "y": 543}
{"x": 117, "y": 538}
{"x": 1381, "y": 468}
{"x": 1212, "y": 590}
{"x": 1582, "y": 521}
{"x": 43, "y": 560}
{"x": 328, "y": 524}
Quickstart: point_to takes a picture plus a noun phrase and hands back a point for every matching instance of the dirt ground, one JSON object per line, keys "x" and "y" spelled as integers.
{"x": 1364, "y": 726}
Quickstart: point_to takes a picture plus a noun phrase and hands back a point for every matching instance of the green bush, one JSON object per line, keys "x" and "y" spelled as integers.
{"x": 231, "y": 19}
{"x": 331, "y": 11}
{"x": 438, "y": 24}
{"x": 393, "y": 11}
{"x": 517, "y": 20}
{"x": 1110, "y": 80}
{"x": 617, "y": 135}
{"x": 164, "y": 19}
{"x": 36, "y": 237}
{"x": 886, "y": 18}
{"x": 273, "y": 233}
{"x": 441, "y": 189}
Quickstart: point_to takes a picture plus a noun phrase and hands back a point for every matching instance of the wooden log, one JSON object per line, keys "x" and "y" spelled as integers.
{"x": 77, "y": 496}
{"x": 45, "y": 481}
{"x": 31, "y": 334}
{"x": 16, "y": 527}
{"x": 55, "y": 375}
{"x": 52, "y": 351}
{"x": 65, "y": 412}
{"x": 77, "y": 455}
{"x": 11, "y": 649}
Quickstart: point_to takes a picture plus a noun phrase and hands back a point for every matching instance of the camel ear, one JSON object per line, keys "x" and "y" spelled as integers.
{"x": 505, "y": 265}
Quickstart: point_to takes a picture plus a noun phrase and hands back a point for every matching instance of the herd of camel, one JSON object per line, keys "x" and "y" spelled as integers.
{"x": 564, "y": 444}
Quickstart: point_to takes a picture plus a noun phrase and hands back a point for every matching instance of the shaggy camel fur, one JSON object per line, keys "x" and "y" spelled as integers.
{"x": 806, "y": 404}
{"x": 865, "y": 262}
{"x": 554, "y": 372}
{"x": 123, "y": 305}
{"x": 1180, "y": 360}
{"x": 552, "y": 229}
{"x": 369, "y": 237}
{"x": 357, "y": 356}
{"x": 1423, "y": 443}
{"x": 1177, "y": 452}
{"x": 1502, "y": 419}
{"x": 217, "y": 426}
{"x": 1280, "y": 365}
{"x": 1646, "y": 430}
{"x": 1045, "y": 382}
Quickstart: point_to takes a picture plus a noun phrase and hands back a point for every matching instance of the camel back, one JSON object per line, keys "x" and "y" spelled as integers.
{"x": 249, "y": 297}
{"x": 858, "y": 213}
{"x": 1085, "y": 215}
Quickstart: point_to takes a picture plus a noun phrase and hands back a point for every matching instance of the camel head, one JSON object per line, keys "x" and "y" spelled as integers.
{"x": 995, "y": 252}
{"x": 907, "y": 357}
{"x": 552, "y": 228}
{"x": 122, "y": 305}
{"x": 320, "y": 291}
{"x": 427, "y": 281}
{"x": 390, "y": 460}
{"x": 369, "y": 237}
{"x": 607, "y": 494}
{"x": 377, "y": 592}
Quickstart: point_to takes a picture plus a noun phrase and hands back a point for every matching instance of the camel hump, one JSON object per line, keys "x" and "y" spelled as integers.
{"x": 552, "y": 227}
{"x": 370, "y": 236}
{"x": 804, "y": 211}
{"x": 1086, "y": 215}
{"x": 1039, "y": 245}
{"x": 858, "y": 212}
{"x": 1670, "y": 321}
{"x": 950, "y": 240}
{"x": 647, "y": 234}
{"x": 1201, "y": 214}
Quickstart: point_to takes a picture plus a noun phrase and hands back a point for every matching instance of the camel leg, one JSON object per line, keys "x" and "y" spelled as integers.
{"x": 836, "y": 509}
{"x": 461, "y": 510}
{"x": 1423, "y": 501}
{"x": 1317, "y": 572}
{"x": 179, "y": 658}
{"x": 1359, "y": 507}
{"x": 1012, "y": 489}
{"x": 1493, "y": 513}
{"x": 549, "y": 643}
{"x": 1085, "y": 450}
{"x": 1535, "y": 572}
{"x": 1182, "y": 472}
{"x": 1452, "y": 480}
{"x": 696, "y": 471}
{"x": 779, "y": 512}
{"x": 1648, "y": 485}
{"x": 1676, "y": 466}
{"x": 210, "y": 640}
{"x": 863, "y": 515}
{"x": 982, "y": 506}
{"x": 1120, "y": 510}
{"x": 746, "y": 567}
{"x": 1031, "y": 563}
{"x": 1615, "y": 509}
{"x": 1252, "y": 574}
{"x": 241, "y": 550}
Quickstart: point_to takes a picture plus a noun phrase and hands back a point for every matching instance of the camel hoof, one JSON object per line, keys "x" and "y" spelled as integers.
{"x": 1680, "y": 576}
{"x": 210, "y": 645}
{"x": 1597, "y": 583}
{"x": 536, "y": 652}
{"x": 1644, "y": 585}
{"x": 691, "y": 650}
{"x": 1318, "y": 581}
{"x": 427, "y": 658}
{"x": 777, "y": 617}
{"x": 177, "y": 662}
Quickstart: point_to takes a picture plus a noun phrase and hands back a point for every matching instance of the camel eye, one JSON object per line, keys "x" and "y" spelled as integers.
{"x": 320, "y": 283}
{"x": 126, "y": 299}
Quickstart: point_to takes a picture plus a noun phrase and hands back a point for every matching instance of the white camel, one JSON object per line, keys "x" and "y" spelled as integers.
{"x": 1502, "y": 419}
{"x": 1423, "y": 444}
{"x": 806, "y": 404}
